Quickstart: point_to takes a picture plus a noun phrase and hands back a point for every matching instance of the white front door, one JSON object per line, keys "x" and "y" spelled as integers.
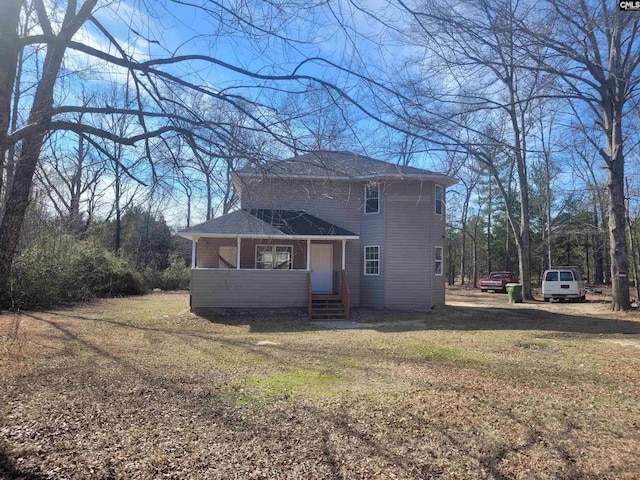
{"x": 322, "y": 268}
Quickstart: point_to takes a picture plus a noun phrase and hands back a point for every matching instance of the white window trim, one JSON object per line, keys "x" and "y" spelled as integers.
{"x": 273, "y": 250}
{"x": 364, "y": 256}
{"x": 365, "y": 198}
{"x": 435, "y": 260}
{"x": 435, "y": 199}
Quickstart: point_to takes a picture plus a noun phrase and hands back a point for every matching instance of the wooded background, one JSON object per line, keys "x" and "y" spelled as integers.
{"x": 121, "y": 121}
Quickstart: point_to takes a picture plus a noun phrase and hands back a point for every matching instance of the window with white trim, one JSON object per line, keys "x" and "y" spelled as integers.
{"x": 372, "y": 260}
{"x": 372, "y": 198}
{"x": 437, "y": 257}
{"x": 439, "y": 193}
{"x": 274, "y": 256}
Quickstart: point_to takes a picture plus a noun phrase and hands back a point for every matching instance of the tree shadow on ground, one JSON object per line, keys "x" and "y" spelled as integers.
{"x": 483, "y": 318}
{"x": 259, "y": 322}
{"x": 448, "y": 317}
{"x": 443, "y": 318}
{"x": 10, "y": 472}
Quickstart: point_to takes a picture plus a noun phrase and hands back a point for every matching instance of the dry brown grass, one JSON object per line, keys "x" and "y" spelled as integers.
{"x": 140, "y": 388}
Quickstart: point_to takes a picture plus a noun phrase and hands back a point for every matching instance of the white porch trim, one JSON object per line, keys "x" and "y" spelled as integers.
{"x": 194, "y": 251}
{"x": 238, "y": 255}
{"x": 267, "y": 236}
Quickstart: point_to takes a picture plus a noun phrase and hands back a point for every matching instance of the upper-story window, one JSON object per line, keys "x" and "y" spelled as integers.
{"x": 439, "y": 199}
{"x": 372, "y": 198}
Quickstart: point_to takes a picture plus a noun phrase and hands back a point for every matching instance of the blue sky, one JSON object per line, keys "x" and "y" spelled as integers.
{"x": 159, "y": 29}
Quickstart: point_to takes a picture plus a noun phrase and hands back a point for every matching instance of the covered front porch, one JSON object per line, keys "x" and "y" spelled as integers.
{"x": 278, "y": 270}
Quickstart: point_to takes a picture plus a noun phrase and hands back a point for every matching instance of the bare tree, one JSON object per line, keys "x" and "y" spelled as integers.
{"x": 592, "y": 49}
{"x": 469, "y": 184}
{"x": 482, "y": 99}
{"x": 161, "y": 78}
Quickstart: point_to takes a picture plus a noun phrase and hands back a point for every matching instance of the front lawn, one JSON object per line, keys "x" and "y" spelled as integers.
{"x": 140, "y": 388}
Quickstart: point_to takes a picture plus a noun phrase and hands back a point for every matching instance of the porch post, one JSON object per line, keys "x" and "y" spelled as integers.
{"x": 238, "y": 255}
{"x": 308, "y": 254}
{"x": 194, "y": 251}
{"x": 344, "y": 249}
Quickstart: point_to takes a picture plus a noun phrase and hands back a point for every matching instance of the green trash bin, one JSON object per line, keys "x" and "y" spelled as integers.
{"x": 515, "y": 292}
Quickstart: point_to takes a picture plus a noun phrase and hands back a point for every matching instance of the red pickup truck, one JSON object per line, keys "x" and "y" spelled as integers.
{"x": 497, "y": 281}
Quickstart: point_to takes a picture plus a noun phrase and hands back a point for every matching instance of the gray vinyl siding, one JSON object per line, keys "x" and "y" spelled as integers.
{"x": 372, "y": 233}
{"x": 218, "y": 288}
{"x": 207, "y": 251}
{"x": 354, "y": 270}
{"x": 336, "y": 202}
{"x": 406, "y": 229}
{"x": 412, "y": 230}
{"x": 438, "y": 238}
{"x": 207, "y": 255}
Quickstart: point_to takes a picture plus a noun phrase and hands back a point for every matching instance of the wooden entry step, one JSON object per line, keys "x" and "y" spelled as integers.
{"x": 325, "y": 307}
{"x": 325, "y": 297}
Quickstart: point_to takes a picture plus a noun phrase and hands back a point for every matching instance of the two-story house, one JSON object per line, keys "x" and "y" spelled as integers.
{"x": 325, "y": 231}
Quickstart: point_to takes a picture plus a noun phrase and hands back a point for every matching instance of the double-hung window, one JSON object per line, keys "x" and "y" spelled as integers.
{"x": 274, "y": 256}
{"x": 439, "y": 201}
{"x": 372, "y": 260}
{"x": 372, "y": 198}
{"x": 437, "y": 257}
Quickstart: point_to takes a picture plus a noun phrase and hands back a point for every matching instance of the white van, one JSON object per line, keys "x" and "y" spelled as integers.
{"x": 563, "y": 283}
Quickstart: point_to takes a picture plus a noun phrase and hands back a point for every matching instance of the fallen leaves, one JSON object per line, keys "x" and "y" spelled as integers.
{"x": 140, "y": 389}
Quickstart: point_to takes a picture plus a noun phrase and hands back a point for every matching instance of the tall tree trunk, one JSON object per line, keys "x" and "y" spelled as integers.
{"x": 463, "y": 253}
{"x": 188, "y": 210}
{"x": 598, "y": 249}
{"x": 209, "y": 197}
{"x": 40, "y": 115}
{"x": 489, "y": 212}
{"x": 507, "y": 248}
{"x": 475, "y": 253}
{"x": 523, "y": 235}
{"x": 75, "y": 222}
{"x": 18, "y": 199}
{"x": 9, "y": 59}
{"x": 615, "y": 188}
{"x": 587, "y": 257}
{"x": 116, "y": 201}
{"x": 634, "y": 262}
{"x": 548, "y": 257}
{"x": 463, "y": 246}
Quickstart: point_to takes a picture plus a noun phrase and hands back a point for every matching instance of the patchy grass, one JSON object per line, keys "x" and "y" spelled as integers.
{"x": 285, "y": 384}
{"x": 440, "y": 353}
{"x": 140, "y": 388}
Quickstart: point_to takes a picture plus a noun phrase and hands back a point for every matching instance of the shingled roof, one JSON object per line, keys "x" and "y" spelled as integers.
{"x": 266, "y": 223}
{"x": 337, "y": 165}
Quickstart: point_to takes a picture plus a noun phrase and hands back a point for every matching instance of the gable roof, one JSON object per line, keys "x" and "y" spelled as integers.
{"x": 267, "y": 223}
{"x": 326, "y": 164}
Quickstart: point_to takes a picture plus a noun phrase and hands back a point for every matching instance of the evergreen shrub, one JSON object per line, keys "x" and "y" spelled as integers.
{"x": 61, "y": 269}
